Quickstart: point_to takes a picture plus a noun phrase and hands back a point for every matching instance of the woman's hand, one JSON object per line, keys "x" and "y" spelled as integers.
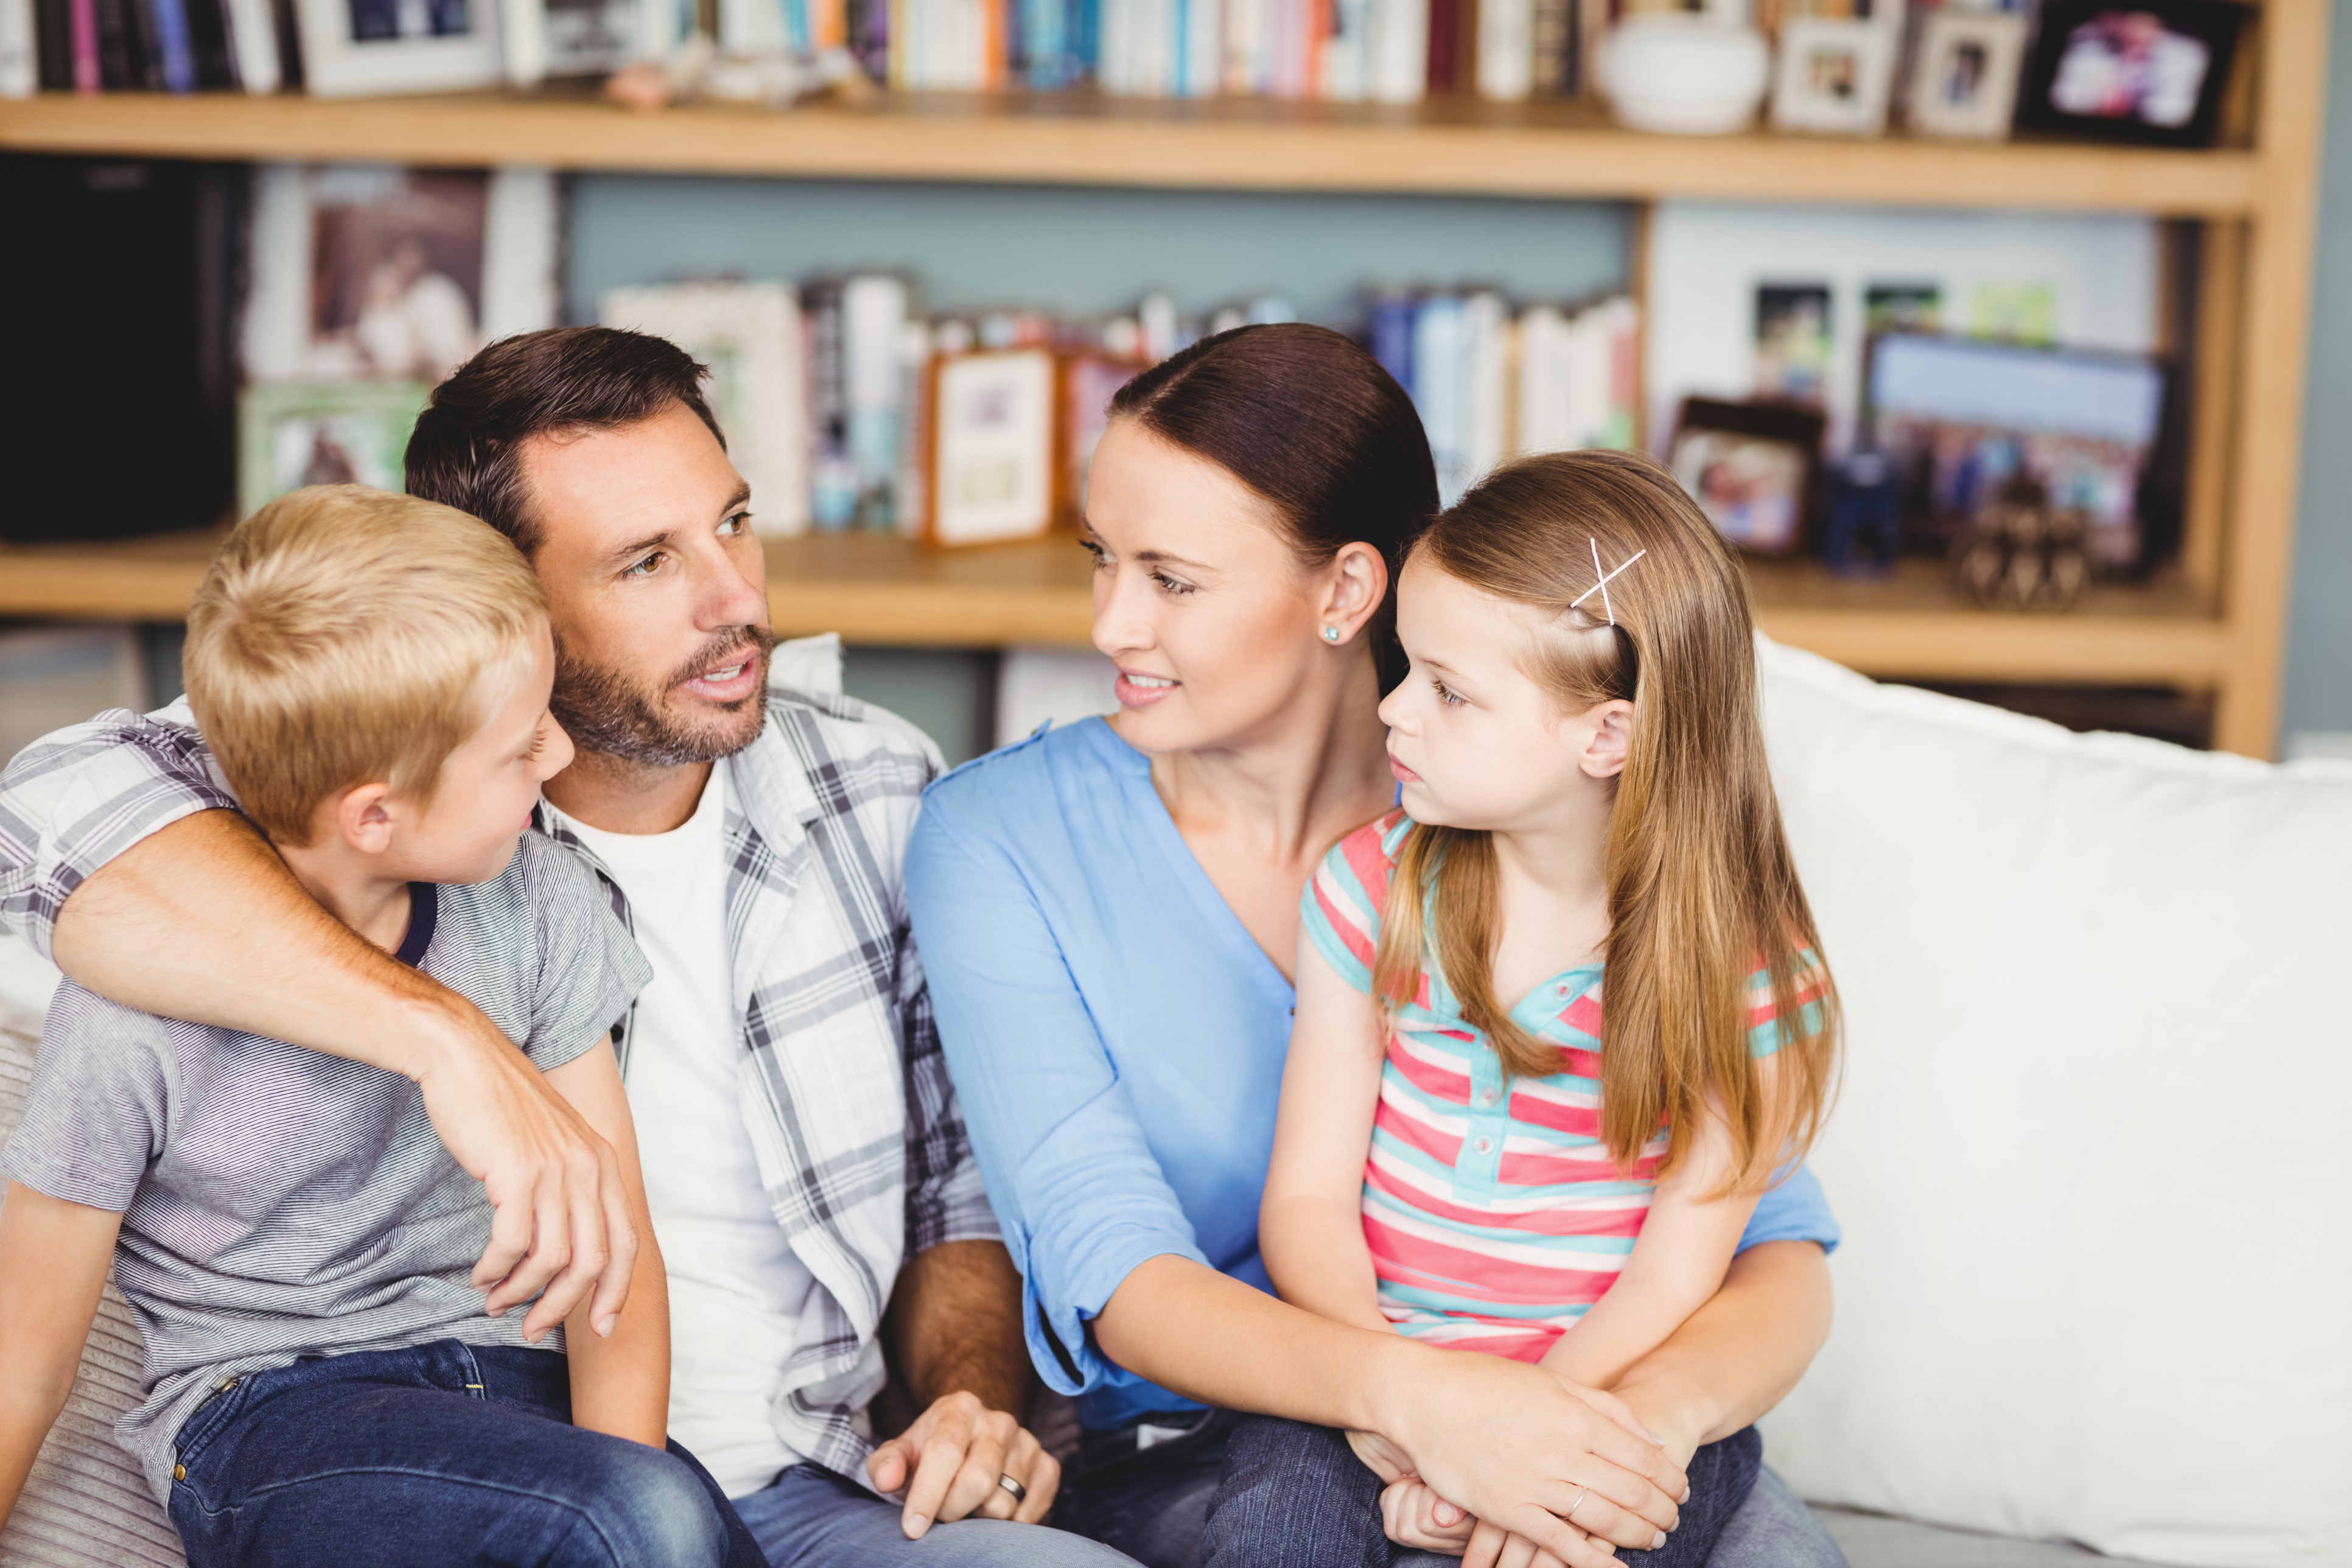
{"x": 1522, "y": 1448}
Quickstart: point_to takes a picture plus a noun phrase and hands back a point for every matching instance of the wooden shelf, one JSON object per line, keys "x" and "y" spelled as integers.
{"x": 1444, "y": 147}
{"x": 879, "y": 590}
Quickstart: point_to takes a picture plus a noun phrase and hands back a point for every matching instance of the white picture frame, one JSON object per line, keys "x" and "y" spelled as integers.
{"x": 992, "y": 431}
{"x": 358, "y": 48}
{"x": 1964, "y": 81}
{"x": 1834, "y": 75}
{"x": 750, "y": 336}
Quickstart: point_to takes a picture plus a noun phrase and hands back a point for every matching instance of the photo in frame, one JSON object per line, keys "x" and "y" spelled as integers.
{"x": 749, "y": 338}
{"x": 1961, "y": 418}
{"x": 1834, "y": 75}
{"x": 992, "y": 431}
{"x": 295, "y": 434}
{"x": 365, "y": 272}
{"x": 1793, "y": 341}
{"x": 1750, "y": 468}
{"x": 2148, "y": 71}
{"x": 353, "y": 49}
{"x": 1963, "y": 79}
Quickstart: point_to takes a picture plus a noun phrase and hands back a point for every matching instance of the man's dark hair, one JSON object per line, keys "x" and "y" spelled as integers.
{"x": 466, "y": 451}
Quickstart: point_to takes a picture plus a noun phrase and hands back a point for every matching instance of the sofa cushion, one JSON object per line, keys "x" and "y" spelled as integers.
{"x": 2089, "y": 1158}
{"x": 85, "y": 1504}
{"x": 1876, "y": 1540}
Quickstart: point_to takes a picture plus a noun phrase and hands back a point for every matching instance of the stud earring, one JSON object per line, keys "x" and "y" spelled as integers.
{"x": 1331, "y": 634}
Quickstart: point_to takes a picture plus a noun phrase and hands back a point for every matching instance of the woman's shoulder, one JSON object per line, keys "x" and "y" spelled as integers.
{"x": 1016, "y": 778}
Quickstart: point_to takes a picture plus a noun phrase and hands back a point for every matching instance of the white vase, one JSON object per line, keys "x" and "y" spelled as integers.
{"x": 1685, "y": 75}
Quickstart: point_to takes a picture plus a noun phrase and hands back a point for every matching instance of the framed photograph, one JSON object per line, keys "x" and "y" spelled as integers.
{"x": 370, "y": 273}
{"x": 1834, "y": 75}
{"x": 991, "y": 430}
{"x": 1749, "y": 466}
{"x": 1963, "y": 79}
{"x": 295, "y": 434}
{"x": 748, "y": 336}
{"x": 2153, "y": 73}
{"x": 1793, "y": 341}
{"x": 353, "y": 49}
{"x": 1090, "y": 378}
{"x": 1961, "y": 418}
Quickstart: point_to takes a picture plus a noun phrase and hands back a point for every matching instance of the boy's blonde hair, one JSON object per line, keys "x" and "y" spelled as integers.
{"x": 1702, "y": 889}
{"x": 337, "y": 639}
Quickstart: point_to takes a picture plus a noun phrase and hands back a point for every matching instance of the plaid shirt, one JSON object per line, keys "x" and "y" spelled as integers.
{"x": 860, "y": 1146}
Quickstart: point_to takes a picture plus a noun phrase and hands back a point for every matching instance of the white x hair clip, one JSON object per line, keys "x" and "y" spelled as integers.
{"x": 1601, "y": 587}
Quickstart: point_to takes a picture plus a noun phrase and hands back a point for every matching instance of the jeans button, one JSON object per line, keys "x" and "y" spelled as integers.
{"x": 179, "y": 1472}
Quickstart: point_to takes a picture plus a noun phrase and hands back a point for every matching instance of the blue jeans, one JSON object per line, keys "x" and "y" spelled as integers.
{"x": 441, "y": 1454}
{"x": 1153, "y": 1503}
{"x": 1296, "y": 1496}
{"x": 811, "y": 1518}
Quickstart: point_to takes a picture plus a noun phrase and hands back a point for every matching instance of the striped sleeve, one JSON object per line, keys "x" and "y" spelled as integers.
{"x": 1341, "y": 911}
{"x": 1764, "y": 1032}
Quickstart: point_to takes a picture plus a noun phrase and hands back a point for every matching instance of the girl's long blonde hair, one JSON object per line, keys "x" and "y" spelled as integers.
{"x": 1702, "y": 889}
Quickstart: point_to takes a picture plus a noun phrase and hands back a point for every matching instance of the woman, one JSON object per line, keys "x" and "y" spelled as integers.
{"x": 1108, "y": 914}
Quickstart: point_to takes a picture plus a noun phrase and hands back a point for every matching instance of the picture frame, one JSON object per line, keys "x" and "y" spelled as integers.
{"x": 2150, "y": 72}
{"x": 294, "y": 434}
{"x": 1752, "y": 467}
{"x": 1964, "y": 81}
{"x": 1956, "y": 417}
{"x": 1834, "y": 75}
{"x": 991, "y": 430}
{"x": 750, "y": 337}
{"x": 1089, "y": 379}
{"x": 353, "y": 49}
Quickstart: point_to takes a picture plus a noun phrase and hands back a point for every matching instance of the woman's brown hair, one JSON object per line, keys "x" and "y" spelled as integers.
{"x": 1702, "y": 889}
{"x": 1309, "y": 420}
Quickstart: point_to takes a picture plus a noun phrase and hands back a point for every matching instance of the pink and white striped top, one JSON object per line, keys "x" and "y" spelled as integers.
{"x": 1493, "y": 1212}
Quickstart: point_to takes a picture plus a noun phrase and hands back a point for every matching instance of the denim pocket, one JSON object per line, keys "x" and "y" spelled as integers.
{"x": 221, "y": 1406}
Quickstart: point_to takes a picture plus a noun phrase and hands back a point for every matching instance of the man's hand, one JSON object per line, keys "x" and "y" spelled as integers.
{"x": 951, "y": 1463}
{"x": 561, "y": 1219}
{"x": 144, "y": 929}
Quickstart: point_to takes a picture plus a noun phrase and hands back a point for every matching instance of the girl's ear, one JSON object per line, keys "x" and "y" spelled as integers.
{"x": 1612, "y": 733}
{"x": 1355, "y": 583}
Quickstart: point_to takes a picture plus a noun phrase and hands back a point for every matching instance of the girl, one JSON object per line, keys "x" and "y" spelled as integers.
{"x": 1585, "y": 789}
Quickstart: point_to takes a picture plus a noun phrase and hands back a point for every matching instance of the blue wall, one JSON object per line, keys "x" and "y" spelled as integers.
{"x": 1084, "y": 252}
{"x": 2319, "y": 635}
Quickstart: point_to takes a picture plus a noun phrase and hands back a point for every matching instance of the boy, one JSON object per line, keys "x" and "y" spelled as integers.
{"x": 321, "y": 1383}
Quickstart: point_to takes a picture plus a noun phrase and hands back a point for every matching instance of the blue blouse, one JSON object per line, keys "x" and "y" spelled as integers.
{"x": 1116, "y": 1038}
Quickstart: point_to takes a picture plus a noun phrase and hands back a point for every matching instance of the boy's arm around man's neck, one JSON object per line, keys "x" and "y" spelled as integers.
{"x": 203, "y": 921}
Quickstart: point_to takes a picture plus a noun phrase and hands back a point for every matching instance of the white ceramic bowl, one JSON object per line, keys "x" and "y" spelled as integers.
{"x": 1682, "y": 74}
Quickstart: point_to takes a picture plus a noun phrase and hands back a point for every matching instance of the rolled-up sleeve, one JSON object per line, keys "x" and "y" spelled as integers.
{"x": 1073, "y": 1179}
{"x": 74, "y": 800}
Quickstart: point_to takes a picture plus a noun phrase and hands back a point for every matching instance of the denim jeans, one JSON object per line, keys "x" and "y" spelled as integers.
{"x": 1153, "y": 1504}
{"x": 1150, "y": 1503}
{"x": 811, "y": 1518}
{"x": 441, "y": 1454}
{"x": 1296, "y": 1496}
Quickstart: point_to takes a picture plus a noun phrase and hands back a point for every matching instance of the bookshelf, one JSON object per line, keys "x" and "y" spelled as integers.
{"x": 2212, "y": 623}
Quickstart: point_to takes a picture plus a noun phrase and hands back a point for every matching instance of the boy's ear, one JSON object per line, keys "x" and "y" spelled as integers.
{"x": 361, "y": 817}
{"x": 1612, "y": 733}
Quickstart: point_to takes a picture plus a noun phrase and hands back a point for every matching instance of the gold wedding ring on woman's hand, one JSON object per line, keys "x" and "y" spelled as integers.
{"x": 1581, "y": 1493}
{"x": 1020, "y": 1493}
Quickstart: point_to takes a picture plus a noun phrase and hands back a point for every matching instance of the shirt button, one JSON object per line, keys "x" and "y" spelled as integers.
{"x": 1485, "y": 1145}
{"x": 1485, "y": 1096}
{"x": 179, "y": 1472}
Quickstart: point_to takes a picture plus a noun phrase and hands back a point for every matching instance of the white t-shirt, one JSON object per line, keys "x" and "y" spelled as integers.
{"x": 736, "y": 1289}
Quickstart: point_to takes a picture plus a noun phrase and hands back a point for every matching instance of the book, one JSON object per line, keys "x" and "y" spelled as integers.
{"x": 20, "y": 49}
{"x": 115, "y": 47}
{"x": 210, "y": 44}
{"x": 253, "y": 44}
{"x": 1551, "y": 42}
{"x": 88, "y": 73}
{"x": 874, "y": 312}
{"x": 1400, "y": 50}
{"x": 53, "y": 35}
{"x": 1505, "y": 49}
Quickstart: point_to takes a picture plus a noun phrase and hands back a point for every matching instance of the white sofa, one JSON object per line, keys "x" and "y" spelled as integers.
{"x": 2096, "y": 1286}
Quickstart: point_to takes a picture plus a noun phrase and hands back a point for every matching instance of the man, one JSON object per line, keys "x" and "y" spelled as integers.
{"x": 805, "y": 1165}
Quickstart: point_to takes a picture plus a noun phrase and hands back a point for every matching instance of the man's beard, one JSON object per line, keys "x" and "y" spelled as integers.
{"x": 604, "y": 712}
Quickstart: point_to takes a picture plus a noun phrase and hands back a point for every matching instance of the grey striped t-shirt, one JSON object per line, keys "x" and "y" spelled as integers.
{"x": 278, "y": 1203}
